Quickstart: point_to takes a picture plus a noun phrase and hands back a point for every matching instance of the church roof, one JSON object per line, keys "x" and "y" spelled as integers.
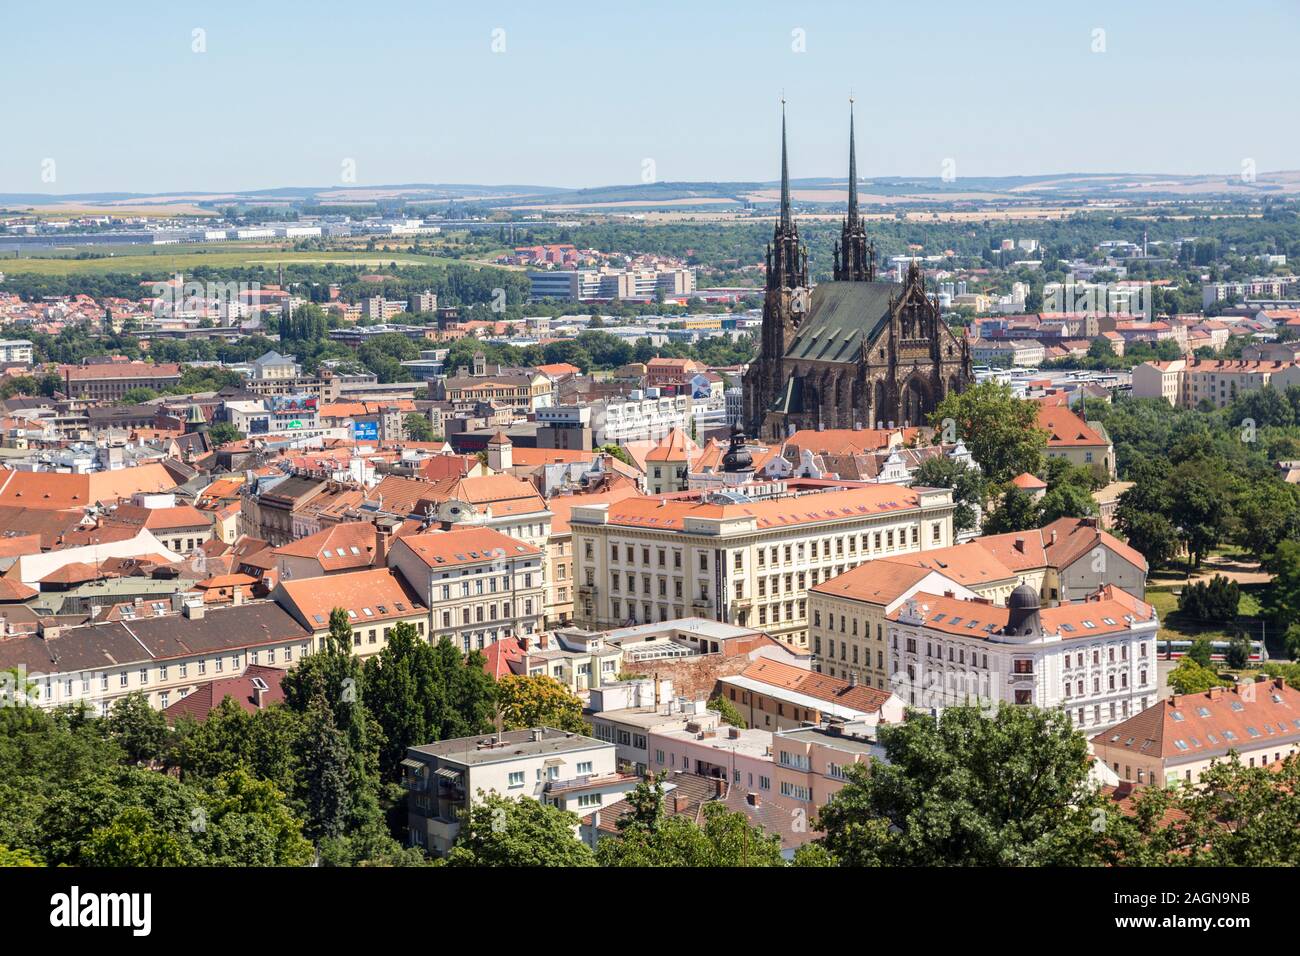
{"x": 840, "y": 317}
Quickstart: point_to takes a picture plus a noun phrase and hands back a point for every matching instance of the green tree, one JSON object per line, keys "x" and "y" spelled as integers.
{"x": 966, "y": 789}
{"x": 223, "y": 432}
{"x": 1238, "y": 655}
{"x": 538, "y": 701}
{"x": 420, "y": 693}
{"x": 967, "y": 484}
{"x": 1016, "y": 511}
{"x": 500, "y": 831}
{"x": 1066, "y": 501}
{"x": 133, "y": 840}
{"x": 727, "y": 711}
{"x": 1000, "y": 430}
{"x": 1189, "y": 677}
{"x": 140, "y": 730}
{"x": 1280, "y": 602}
{"x": 418, "y": 427}
{"x": 1201, "y": 651}
{"x": 326, "y": 763}
{"x": 615, "y": 451}
{"x": 724, "y": 838}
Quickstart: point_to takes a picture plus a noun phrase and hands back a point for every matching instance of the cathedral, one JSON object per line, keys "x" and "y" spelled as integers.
{"x": 851, "y": 352}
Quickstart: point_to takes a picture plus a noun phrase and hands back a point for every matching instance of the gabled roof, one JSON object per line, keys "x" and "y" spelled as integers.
{"x": 445, "y": 549}
{"x": 675, "y": 446}
{"x": 341, "y": 547}
{"x": 207, "y": 697}
{"x": 1221, "y": 719}
{"x": 809, "y": 683}
{"x": 1066, "y": 429}
{"x": 369, "y": 597}
{"x": 1068, "y": 539}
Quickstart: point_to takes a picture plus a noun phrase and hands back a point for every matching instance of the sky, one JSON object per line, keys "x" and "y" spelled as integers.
{"x": 217, "y": 95}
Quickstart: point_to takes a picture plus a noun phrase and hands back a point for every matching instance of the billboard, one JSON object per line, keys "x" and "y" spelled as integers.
{"x": 365, "y": 431}
{"x": 292, "y": 404}
{"x": 259, "y": 426}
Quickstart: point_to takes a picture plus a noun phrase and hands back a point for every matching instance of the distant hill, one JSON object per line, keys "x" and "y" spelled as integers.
{"x": 809, "y": 193}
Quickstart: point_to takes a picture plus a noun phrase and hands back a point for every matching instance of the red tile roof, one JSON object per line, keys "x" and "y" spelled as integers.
{"x": 833, "y": 690}
{"x": 440, "y": 549}
{"x": 207, "y": 697}
{"x": 1219, "y": 720}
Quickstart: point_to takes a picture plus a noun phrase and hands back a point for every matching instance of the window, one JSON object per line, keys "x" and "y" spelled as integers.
{"x": 584, "y": 767}
{"x": 517, "y": 778}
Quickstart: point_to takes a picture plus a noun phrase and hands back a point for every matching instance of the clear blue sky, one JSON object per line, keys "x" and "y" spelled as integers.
{"x": 413, "y": 92}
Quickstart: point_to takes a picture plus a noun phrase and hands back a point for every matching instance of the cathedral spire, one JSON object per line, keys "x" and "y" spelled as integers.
{"x": 787, "y": 265}
{"x": 786, "y": 218}
{"x": 855, "y": 259}
{"x": 853, "y": 169}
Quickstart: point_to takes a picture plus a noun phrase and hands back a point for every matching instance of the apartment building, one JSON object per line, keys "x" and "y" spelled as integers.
{"x": 110, "y": 381}
{"x": 479, "y": 586}
{"x": 523, "y": 391}
{"x": 444, "y": 780}
{"x": 15, "y": 352}
{"x": 1186, "y": 383}
{"x": 1095, "y": 659}
{"x": 165, "y": 657}
{"x": 726, "y": 557}
{"x": 376, "y": 601}
{"x": 809, "y": 762}
{"x": 1177, "y": 739}
{"x": 643, "y": 415}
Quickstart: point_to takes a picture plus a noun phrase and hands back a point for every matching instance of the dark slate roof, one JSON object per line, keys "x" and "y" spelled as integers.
{"x": 841, "y": 315}
{"x": 115, "y": 643}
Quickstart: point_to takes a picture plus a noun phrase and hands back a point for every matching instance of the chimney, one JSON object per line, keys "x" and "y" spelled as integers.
{"x": 752, "y": 798}
{"x": 1019, "y": 545}
{"x": 719, "y": 787}
{"x": 194, "y": 610}
{"x": 1051, "y": 540}
{"x": 680, "y": 802}
{"x": 237, "y": 597}
{"x": 733, "y": 733}
{"x": 259, "y": 697}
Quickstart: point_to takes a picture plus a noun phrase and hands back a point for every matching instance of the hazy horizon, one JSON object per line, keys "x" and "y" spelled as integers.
{"x": 261, "y": 98}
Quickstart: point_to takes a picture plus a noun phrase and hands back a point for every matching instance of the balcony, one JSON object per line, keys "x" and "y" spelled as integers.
{"x": 587, "y": 590}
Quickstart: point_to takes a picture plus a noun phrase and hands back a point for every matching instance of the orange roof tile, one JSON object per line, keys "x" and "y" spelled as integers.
{"x": 372, "y": 596}
{"x": 439, "y": 549}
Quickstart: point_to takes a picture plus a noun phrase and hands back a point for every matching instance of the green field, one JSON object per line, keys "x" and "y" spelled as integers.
{"x": 167, "y": 260}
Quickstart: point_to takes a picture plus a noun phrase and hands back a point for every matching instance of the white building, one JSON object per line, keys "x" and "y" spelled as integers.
{"x": 1095, "y": 659}
{"x": 444, "y": 780}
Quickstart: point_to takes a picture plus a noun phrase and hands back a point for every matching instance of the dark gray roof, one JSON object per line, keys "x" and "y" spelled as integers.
{"x": 840, "y": 316}
{"x": 115, "y": 643}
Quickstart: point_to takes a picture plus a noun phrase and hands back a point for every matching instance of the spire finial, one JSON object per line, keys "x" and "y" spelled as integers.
{"x": 785, "y": 175}
{"x": 853, "y": 170}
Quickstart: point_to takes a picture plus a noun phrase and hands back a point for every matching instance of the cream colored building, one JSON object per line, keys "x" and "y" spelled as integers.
{"x": 1185, "y": 384}
{"x": 478, "y": 585}
{"x": 1177, "y": 739}
{"x": 750, "y": 562}
{"x": 165, "y": 657}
